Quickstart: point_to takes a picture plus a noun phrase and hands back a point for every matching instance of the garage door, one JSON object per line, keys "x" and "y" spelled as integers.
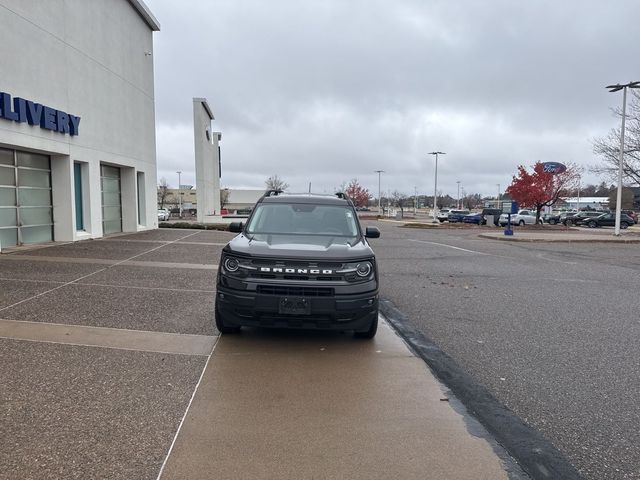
{"x": 26, "y": 214}
{"x": 111, "y": 199}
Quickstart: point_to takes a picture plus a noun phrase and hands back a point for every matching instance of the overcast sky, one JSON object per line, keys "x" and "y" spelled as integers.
{"x": 324, "y": 91}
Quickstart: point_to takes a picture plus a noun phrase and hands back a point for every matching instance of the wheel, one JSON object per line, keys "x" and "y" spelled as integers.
{"x": 553, "y": 221}
{"x": 371, "y": 332}
{"x": 592, "y": 224}
{"x": 624, "y": 225}
{"x": 222, "y": 328}
{"x": 568, "y": 223}
{"x": 521, "y": 223}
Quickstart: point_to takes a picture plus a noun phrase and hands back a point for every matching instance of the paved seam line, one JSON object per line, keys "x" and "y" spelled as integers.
{"x": 451, "y": 246}
{"x": 193, "y": 395}
{"x": 134, "y": 287}
{"x": 85, "y": 276}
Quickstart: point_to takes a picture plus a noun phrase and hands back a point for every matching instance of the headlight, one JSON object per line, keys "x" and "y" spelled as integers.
{"x": 231, "y": 264}
{"x": 363, "y": 269}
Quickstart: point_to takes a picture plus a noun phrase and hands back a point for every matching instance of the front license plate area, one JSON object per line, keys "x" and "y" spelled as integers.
{"x": 294, "y": 306}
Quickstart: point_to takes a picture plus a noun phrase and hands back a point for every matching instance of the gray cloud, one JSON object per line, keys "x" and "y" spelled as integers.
{"x": 324, "y": 91}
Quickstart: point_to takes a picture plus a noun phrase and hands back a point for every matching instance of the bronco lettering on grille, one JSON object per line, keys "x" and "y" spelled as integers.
{"x": 312, "y": 271}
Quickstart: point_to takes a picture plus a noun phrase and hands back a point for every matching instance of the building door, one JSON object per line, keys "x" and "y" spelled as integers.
{"x": 111, "y": 199}
{"x": 26, "y": 213}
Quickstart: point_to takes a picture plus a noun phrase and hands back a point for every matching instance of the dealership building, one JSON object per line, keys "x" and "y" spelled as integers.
{"x": 77, "y": 120}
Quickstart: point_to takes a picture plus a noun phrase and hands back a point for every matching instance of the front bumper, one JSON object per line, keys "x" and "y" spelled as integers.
{"x": 338, "y": 312}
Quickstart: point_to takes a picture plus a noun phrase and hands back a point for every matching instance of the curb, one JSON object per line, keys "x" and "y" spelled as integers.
{"x": 513, "y": 238}
{"x": 535, "y": 455}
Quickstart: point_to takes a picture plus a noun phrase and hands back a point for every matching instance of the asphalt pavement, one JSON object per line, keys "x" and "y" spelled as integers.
{"x": 551, "y": 329}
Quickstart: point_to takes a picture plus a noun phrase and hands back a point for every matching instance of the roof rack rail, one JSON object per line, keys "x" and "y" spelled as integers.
{"x": 272, "y": 193}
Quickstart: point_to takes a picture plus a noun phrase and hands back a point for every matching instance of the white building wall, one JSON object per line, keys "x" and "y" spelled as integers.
{"x": 206, "y": 145}
{"x": 93, "y": 59}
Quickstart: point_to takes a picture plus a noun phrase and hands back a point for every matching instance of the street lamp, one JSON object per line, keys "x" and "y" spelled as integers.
{"x": 435, "y": 186}
{"x": 379, "y": 198}
{"x": 615, "y": 88}
{"x": 458, "y": 199}
{"x": 179, "y": 194}
{"x": 498, "y": 204}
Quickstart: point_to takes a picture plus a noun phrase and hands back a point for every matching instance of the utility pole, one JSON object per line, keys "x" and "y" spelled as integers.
{"x": 498, "y": 203}
{"x": 458, "y": 199}
{"x": 435, "y": 186}
{"x": 379, "y": 194}
{"x": 179, "y": 194}
{"x": 415, "y": 201}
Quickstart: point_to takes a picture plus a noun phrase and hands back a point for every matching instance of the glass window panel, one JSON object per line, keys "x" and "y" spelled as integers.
{"x": 110, "y": 199}
{"x": 7, "y": 176}
{"x": 6, "y": 157}
{"x": 8, "y": 237}
{"x": 36, "y": 234}
{"x": 33, "y": 178}
{"x": 110, "y": 185}
{"x": 111, "y": 213}
{"x": 111, "y": 226}
{"x": 33, "y": 160}
{"x": 34, "y": 197}
{"x": 108, "y": 171}
{"x": 35, "y": 216}
{"x": 8, "y": 217}
{"x": 7, "y": 197}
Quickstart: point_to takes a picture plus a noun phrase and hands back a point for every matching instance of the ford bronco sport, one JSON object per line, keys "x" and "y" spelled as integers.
{"x": 301, "y": 261}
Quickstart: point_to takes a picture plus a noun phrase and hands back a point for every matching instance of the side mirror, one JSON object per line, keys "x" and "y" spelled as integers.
{"x": 372, "y": 232}
{"x": 235, "y": 227}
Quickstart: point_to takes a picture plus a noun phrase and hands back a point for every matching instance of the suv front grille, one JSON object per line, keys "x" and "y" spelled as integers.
{"x": 295, "y": 291}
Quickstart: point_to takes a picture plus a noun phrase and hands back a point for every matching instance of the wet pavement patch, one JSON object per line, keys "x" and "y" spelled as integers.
{"x": 130, "y": 308}
{"x": 201, "y": 254}
{"x": 80, "y": 412}
{"x": 111, "y": 250}
{"x": 12, "y": 292}
{"x": 139, "y": 276}
{"x": 24, "y": 269}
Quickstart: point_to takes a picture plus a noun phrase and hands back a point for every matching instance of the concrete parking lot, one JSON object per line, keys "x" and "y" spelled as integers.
{"x": 106, "y": 345}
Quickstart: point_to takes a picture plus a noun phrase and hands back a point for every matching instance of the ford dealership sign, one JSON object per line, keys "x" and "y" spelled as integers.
{"x": 25, "y": 111}
{"x": 554, "y": 167}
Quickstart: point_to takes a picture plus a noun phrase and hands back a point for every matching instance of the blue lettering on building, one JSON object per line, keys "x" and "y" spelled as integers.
{"x": 26, "y": 111}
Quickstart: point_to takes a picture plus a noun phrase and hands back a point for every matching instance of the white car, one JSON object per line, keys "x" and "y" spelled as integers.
{"x": 523, "y": 217}
{"x": 163, "y": 214}
{"x": 443, "y": 214}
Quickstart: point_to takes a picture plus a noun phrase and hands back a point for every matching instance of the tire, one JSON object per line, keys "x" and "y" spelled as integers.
{"x": 553, "y": 221}
{"x": 624, "y": 225}
{"x": 220, "y": 325}
{"x": 371, "y": 332}
{"x": 521, "y": 223}
{"x": 592, "y": 224}
{"x": 569, "y": 223}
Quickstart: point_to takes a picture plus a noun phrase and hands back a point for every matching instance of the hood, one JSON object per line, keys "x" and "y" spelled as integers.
{"x": 308, "y": 247}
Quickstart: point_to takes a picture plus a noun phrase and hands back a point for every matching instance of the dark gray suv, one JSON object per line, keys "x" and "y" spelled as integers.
{"x": 301, "y": 261}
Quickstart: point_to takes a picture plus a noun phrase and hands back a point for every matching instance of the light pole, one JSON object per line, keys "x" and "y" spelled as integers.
{"x": 498, "y": 203}
{"x": 415, "y": 201}
{"x": 615, "y": 88}
{"x": 458, "y": 199}
{"x": 379, "y": 197}
{"x": 579, "y": 185}
{"x": 435, "y": 186}
{"x": 179, "y": 194}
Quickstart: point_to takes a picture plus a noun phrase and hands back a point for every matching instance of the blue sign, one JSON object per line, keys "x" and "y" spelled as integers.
{"x": 26, "y": 111}
{"x": 554, "y": 167}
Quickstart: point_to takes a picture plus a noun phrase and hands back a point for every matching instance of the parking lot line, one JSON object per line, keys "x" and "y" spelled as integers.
{"x": 450, "y": 246}
{"x": 103, "y": 337}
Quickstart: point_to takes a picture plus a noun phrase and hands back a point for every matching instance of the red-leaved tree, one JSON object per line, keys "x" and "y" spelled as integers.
{"x": 542, "y": 189}
{"x": 358, "y": 194}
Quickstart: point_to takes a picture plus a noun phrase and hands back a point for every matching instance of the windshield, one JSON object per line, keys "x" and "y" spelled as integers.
{"x": 303, "y": 219}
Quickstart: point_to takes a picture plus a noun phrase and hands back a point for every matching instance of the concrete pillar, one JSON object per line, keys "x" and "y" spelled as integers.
{"x": 64, "y": 209}
{"x": 206, "y": 145}
{"x": 129, "y": 198}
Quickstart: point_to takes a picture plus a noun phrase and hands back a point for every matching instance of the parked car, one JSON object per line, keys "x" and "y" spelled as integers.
{"x": 552, "y": 218}
{"x": 456, "y": 215}
{"x": 580, "y": 218}
{"x": 523, "y": 217}
{"x": 632, "y": 214}
{"x": 443, "y": 214}
{"x": 475, "y": 217}
{"x": 609, "y": 220}
{"x": 163, "y": 214}
{"x": 495, "y": 212}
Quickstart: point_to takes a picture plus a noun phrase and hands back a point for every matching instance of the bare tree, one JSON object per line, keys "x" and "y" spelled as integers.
{"x": 274, "y": 182}
{"x": 608, "y": 148}
{"x": 400, "y": 200}
{"x": 224, "y": 197}
{"x": 164, "y": 196}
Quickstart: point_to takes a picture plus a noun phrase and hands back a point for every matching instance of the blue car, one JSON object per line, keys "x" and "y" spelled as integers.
{"x": 477, "y": 218}
{"x": 457, "y": 215}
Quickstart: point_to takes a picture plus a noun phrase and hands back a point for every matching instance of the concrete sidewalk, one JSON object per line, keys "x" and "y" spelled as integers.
{"x": 631, "y": 235}
{"x": 284, "y": 405}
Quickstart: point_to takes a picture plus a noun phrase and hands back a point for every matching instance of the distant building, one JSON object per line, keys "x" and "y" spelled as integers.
{"x": 242, "y": 199}
{"x": 576, "y": 203}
